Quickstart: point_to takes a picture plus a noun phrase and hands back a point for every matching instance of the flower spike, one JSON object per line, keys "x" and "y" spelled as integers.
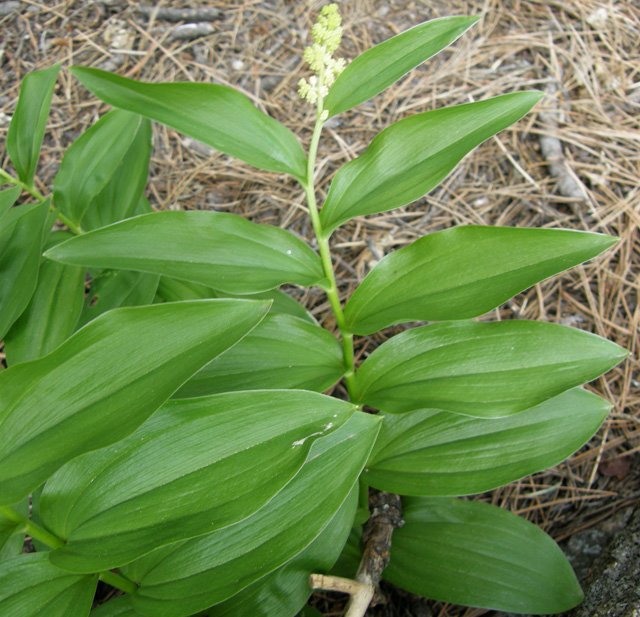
{"x": 327, "y": 33}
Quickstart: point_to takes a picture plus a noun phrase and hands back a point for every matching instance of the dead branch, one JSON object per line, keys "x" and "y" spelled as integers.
{"x": 175, "y": 14}
{"x": 386, "y": 515}
{"x": 551, "y": 146}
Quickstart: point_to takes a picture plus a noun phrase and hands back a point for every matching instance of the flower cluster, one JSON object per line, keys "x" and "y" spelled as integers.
{"x": 326, "y": 39}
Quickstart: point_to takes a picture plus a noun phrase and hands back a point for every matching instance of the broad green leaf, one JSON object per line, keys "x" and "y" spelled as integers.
{"x": 464, "y": 272}
{"x": 219, "y": 250}
{"x": 173, "y": 290}
{"x": 119, "y": 199}
{"x": 203, "y": 571}
{"x": 436, "y": 453}
{"x": 377, "y": 68}
{"x": 105, "y": 380}
{"x": 486, "y": 370}
{"x": 472, "y": 553}
{"x": 195, "y": 466}
{"x": 31, "y": 587}
{"x": 115, "y": 288}
{"x": 21, "y": 231}
{"x": 216, "y": 115}
{"x": 284, "y": 591}
{"x": 414, "y": 155}
{"x": 92, "y": 160}
{"x": 29, "y": 120}
{"x": 283, "y": 352}
{"x": 52, "y": 313}
{"x": 11, "y": 533}
{"x": 7, "y": 198}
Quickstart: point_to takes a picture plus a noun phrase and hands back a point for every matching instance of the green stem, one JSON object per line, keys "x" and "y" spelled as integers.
{"x": 325, "y": 256}
{"x": 35, "y": 193}
{"x": 35, "y": 531}
{"x": 118, "y": 581}
{"x": 46, "y": 537}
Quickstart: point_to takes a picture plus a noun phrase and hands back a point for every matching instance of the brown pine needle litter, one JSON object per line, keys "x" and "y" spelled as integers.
{"x": 573, "y": 162}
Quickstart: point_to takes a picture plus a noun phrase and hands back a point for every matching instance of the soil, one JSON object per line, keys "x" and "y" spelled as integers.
{"x": 573, "y": 162}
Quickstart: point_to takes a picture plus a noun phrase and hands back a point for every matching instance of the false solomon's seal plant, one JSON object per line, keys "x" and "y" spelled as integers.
{"x": 167, "y": 434}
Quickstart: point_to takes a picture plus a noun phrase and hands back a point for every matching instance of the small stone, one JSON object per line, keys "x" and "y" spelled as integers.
{"x": 237, "y": 64}
{"x": 598, "y": 19}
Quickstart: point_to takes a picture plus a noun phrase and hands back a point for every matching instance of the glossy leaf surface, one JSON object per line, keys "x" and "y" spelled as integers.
{"x": 223, "y": 251}
{"x": 21, "y": 231}
{"x": 482, "y": 369}
{"x": 472, "y": 553}
{"x": 119, "y": 199}
{"x": 414, "y": 155}
{"x": 206, "y": 570}
{"x": 195, "y": 466}
{"x": 436, "y": 453}
{"x": 29, "y": 120}
{"x": 7, "y": 198}
{"x": 52, "y": 313}
{"x": 377, "y": 68}
{"x": 463, "y": 272}
{"x": 285, "y": 591}
{"x": 30, "y": 586}
{"x": 115, "y": 288}
{"x": 283, "y": 352}
{"x": 105, "y": 380}
{"x": 216, "y": 115}
{"x": 91, "y": 161}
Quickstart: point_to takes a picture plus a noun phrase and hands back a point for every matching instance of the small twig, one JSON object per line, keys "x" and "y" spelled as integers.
{"x": 551, "y": 147}
{"x": 386, "y": 516}
{"x": 169, "y": 14}
{"x": 188, "y": 32}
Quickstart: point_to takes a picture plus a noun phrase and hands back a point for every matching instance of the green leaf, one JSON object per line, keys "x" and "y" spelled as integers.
{"x": 52, "y": 313}
{"x": 377, "y": 68}
{"x": 284, "y": 591}
{"x": 30, "y": 586}
{"x": 283, "y": 352}
{"x": 21, "y": 231}
{"x": 486, "y": 370}
{"x": 414, "y": 155}
{"x": 435, "y": 453}
{"x": 349, "y": 559}
{"x": 117, "y": 607}
{"x": 216, "y": 115}
{"x": 11, "y": 533}
{"x": 29, "y": 120}
{"x": 195, "y": 466}
{"x": 119, "y": 199}
{"x": 173, "y": 290}
{"x": 105, "y": 380}
{"x": 220, "y": 250}
{"x": 464, "y": 272}
{"x": 115, "y": 288}
{"x": 284, "y": 303}
{"x": 472, "y": 553}
{"x": 7, "y": 198}
{"x": 184, "y": 579}
{"x": 92, "y": 160}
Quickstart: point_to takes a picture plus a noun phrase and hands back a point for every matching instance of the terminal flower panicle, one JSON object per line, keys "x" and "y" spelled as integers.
{"x": 327, "y": 33}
